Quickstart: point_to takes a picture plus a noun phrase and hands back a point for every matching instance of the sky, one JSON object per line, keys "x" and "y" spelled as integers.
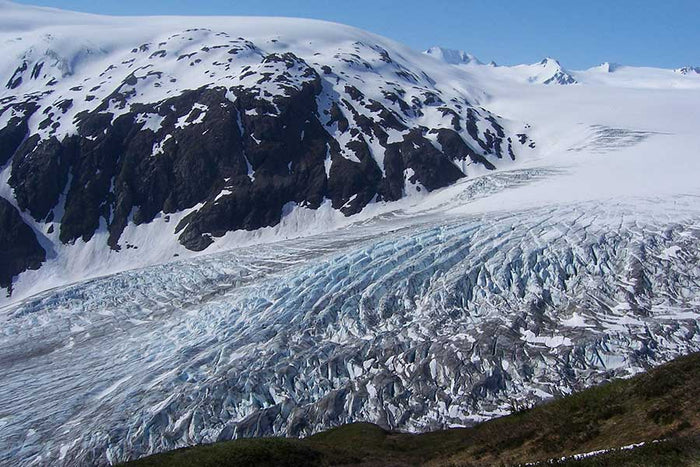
{"x": 580, "y": 33}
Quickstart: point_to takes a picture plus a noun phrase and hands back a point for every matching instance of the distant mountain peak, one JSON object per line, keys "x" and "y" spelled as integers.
{"x": 453, "y": 56}
{"x": 552, "y": 73}
{"x": 547, "y": 71}
{"x": 688, "y": 70}
{"x": 549, "y": 61}
{"x": 608, "y": 67}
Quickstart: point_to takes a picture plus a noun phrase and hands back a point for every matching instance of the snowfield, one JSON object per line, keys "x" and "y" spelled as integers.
{"x": 575, "y": 263}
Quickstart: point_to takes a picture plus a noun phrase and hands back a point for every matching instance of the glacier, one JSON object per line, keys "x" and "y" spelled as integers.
{"x": 414, "y": 322}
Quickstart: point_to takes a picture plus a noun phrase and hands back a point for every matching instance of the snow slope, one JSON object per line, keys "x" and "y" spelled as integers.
{"x": 559, "y": 270}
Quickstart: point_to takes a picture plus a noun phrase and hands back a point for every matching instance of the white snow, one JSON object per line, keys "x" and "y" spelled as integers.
{"x": 549, "y": 341}
{"x": 575, "y": 321}
{"x": 150, "y": 121}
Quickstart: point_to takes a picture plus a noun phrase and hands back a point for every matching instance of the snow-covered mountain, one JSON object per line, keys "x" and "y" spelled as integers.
{"x": 383, "y": 236}
{"x": 550, "y": 71}
{"x": 546, "y": 71}
{"x": 207, "y": 126}
{"x": 688, "y": 70}
{"x": 453, "y": 57}
{"x": 607, "y": 67}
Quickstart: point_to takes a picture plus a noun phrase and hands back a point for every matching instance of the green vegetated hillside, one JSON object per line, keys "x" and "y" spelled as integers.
{"x": 660, "y": 409}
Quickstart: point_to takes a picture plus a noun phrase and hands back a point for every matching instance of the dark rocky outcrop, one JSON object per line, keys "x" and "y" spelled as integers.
{"x": 40, "y": 173}
{"x": 428, "y": 166}
{"x": 19, "y": 248}
{"x": 16, "y": 78}
{"x": 351, "y": 184}
{"x": 16, "y": 130}
{"x": 283, "y": 144}
{"x": 456, "y": 149}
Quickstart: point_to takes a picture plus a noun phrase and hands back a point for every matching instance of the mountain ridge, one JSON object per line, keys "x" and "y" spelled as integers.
{"x": 550, "y": 71}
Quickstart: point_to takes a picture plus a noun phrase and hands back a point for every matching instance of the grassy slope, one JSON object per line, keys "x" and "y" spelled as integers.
{"x": 662, "y": 404}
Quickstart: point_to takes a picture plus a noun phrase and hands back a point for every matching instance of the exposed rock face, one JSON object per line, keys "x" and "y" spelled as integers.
{"x": 15, "y": 130}
{"x": 40, "y": 172}
{"x": 19, "y": 248}
{"x": 688, "y": 70}
{"x": 261, "y": 131}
